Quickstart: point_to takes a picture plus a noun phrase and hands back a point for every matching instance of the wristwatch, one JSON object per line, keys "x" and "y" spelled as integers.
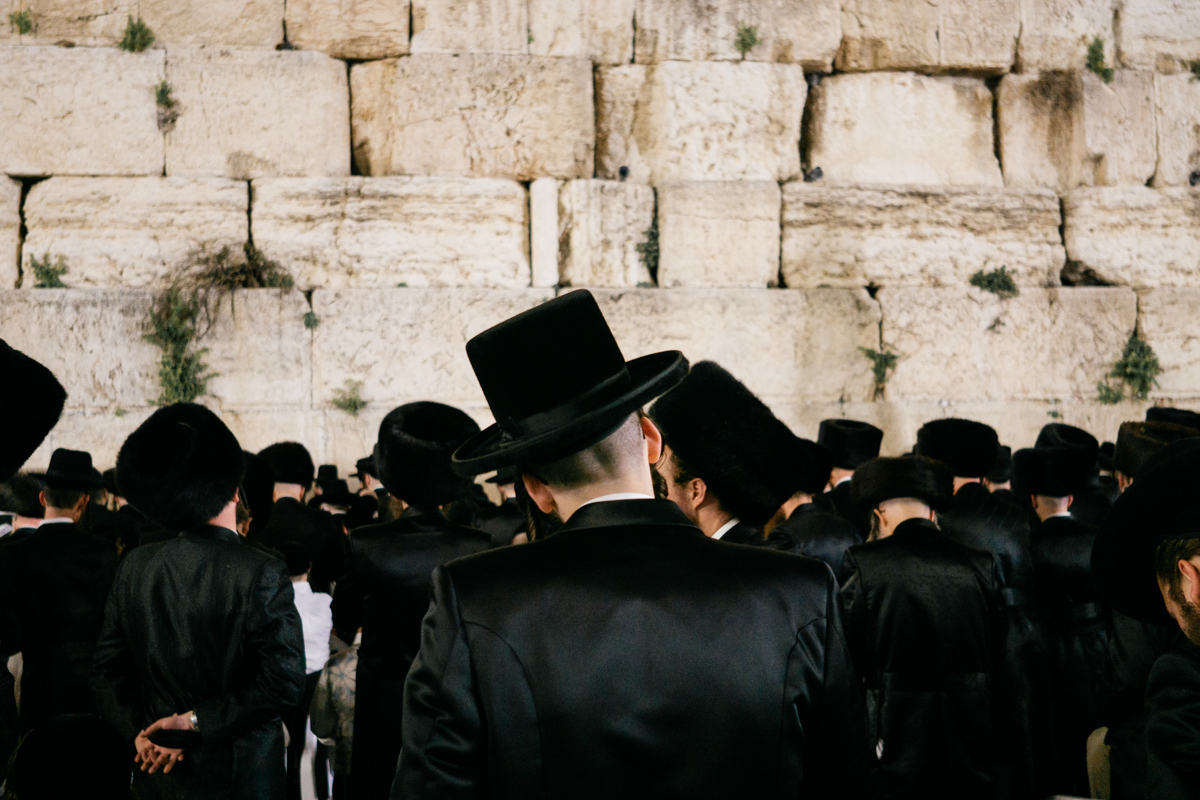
{"x": 195, "y": 722}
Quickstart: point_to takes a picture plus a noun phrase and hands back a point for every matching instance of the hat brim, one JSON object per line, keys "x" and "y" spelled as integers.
{"x": 490, "y": 449}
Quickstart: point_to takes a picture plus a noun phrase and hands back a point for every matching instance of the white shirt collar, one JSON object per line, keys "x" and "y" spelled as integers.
{"x": 724, "y": 529}
{"x": 1059, "y": 514}
{"x": 617, "y": 496}
{"x": 843, "y": 480}
{"x": 55, "y": 520}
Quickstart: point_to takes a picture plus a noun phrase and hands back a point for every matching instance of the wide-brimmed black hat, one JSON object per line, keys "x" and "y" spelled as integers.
{"x": 967, "y": 447}
{"x": 181, "y": 466}
{"x": 729, "y": 439}
{"x": 1138, "y": 441}
{"x": 30, "y": 406}
{"x": 1176, "y": 416}
{"x": 882, "y": 479}
{"x": 334, "y": 493}
{"x": 290, "y": 462}
{"x": 1002, "y": 470}
{"x": 1059, "y": 434}
{"x": 1052, "y": 471}
{"x": 849, "y": 441}
{"x": 557, "y": 383}
{"x": 366, "y": 466}
{"x": 416, "y": 442}
{"x": 326, "y": 474}
{"x": 72, "y": 469}
{"x": 1157, "y": 507}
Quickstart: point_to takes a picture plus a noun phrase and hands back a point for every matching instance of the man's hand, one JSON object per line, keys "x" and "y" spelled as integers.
{"x": 150, "y": 756}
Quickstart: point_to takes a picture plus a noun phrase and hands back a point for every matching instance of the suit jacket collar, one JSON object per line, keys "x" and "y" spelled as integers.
{"x": 915, "y": 527}
{"x": 214, "y": 532}
{"x": 628, "y": 513}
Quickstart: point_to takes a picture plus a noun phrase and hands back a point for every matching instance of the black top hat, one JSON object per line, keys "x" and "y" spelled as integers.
{"x": 505, "y": 475}
{"x": 882, "y": 479}
{"x": 968, "y": 448}
{"x": 1002, "y": 470}
{"x": 416, "y": 442}
{"x": 334, "y": 493}
{"x": 1105, "y": 459}
{"x": 1138, "y": 441}
{"x": 326, "y": 473}
{"x": 366, "y": 466}
{"x": 1176, "y": 416}
{"x": 1052, "y": 471}
{"x": 290, "y": 462}
{"x": 28, "y": 412}
{"x": 808, "y": 466}
{"x": 557, "y": 383}
{"x": 1158, "y": 506}
{"x": 72, "y": 469}
{"x": 849, "y": 441}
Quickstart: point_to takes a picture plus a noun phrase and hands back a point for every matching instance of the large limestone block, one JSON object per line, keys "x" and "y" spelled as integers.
{"x": 96, "y": 431}
{"x": 718, "y": 233}
{"x": 805, "y": 32}
{"x": 600, "y": 225}
{"x": 335, "y": 233}
{"x": 1167, "y": 321}
{"x": 357, "y": 29}
{"x": 10, "y": 232}
{"x": 214, "y": 23}
{"x": 248, "y": 114}
{"x": 913, "y": 237}
{"x": 1134, "y": 235}
{"x": 789, "y": 346}
{"x": 543, "y": 231}
{"x": 470, "y": 26}
{"x": 406, "y": 344}
{"x": 1178, "y": 99}
{"x": 477, "y": 116}
{"x": 1055, "y": 34}
{"x": 1161, "y": 35}
{"x": 618, "y": 90}
{"x": 84, "y": 23}
{"x": 79, "y": 112}
{"x": 132, "y": 232}
{"x": 901, "y": 128}
{"x": 929, "y": 35}
{"x": 961, "y": 344}
{"x": 600, "y": 30}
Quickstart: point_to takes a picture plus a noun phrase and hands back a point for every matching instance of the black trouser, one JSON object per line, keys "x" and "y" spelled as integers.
{"x": 296, "y": 720}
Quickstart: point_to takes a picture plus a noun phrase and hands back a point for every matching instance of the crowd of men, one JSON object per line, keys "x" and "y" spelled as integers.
{"x": 676, "y": 597}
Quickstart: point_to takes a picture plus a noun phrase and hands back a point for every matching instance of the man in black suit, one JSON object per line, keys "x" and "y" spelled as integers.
{"x": 626, "y": 654}
{"x": 292, "y": 521}
{"x": 389, "y": 577}
{"x": 53, "y": 586}
{"x": 506, "y": 521}
{"x": 851, "y": 443}
{"x": 202, "y": 649}
{"x": 925, "y": 625}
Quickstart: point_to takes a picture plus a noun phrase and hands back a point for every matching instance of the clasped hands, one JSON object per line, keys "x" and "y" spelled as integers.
{"x": 151, "y": 757}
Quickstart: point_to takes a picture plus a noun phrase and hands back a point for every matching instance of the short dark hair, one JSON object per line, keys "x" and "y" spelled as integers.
{"x": 19, "y": 495}
{"x": 593, "y": 463}
{"x": 63, "y": 498}
{"x": 1168, "y": 555}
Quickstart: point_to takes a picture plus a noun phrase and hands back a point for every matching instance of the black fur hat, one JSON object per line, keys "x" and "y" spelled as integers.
{"x": 730, "y": 440}
{"x": 1002, "y": 470}
{"x": 290, "y": 462}
{"x": 1059, "y": 434}
{"x": 1176, "y": 416}
{"x": 1052, "y": 471}
{"x": 180, "y": 467}
{"x": 918, "y": 477}
{"x": 1138, "y": 441}
{"x": 30, "y": 406}
{"x": 416, "y": 441}
{"x": 849, "y": 441}
{"x": 968, "y": 448}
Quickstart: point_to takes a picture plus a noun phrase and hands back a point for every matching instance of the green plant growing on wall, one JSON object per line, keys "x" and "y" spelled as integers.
{"x": 1109, "y": 395}
{"x": 168, "y": 113}
{"x": 1195, "y": 68}
{"x": 138, "y": 36}
{"x": 311, "y": 321}
{"x": 648, "y": 250}
{"x": 119, "y": 412}
{"x": 999, "y": 282}
{"x": 224, "y": 270}
{"x": 881, "y": 365}
{"x": 174, "y": 326}
{"x": 1138, "y": 368}
{"x": 47, "y": 275}
{"x": 747, "y": 39}
{"x": 1095, "y": 60}
{"x": 349, "y": 398}
{"x": 22, "y": 21}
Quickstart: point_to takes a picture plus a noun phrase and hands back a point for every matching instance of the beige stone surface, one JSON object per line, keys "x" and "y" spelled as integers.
{"x": 1134, "y": 235}
{"x": 902, "y": 128}
{"x": 10, "y": 232}
{"x": 515, "y": 117}
{"x": 253, "y": 114}
{"x": 470, "y": 26}
{"x": 618, "y": 90}
{"x": 1167, "y": 321}
{"x": 600, "y": 224}
{"x": 132, "y": 232}
{"x": 805, "y": 32}
{"x": 718, "y": 233}
{"x": 964, "y": 344}
{"x": 600, "y": 30}
{"x": 1162, "y": 35}
{"x": 99, "y": 432}
{"x": 79, "y": 112}
{"x": 1119, "y": 129}
{"x": 335, "y": 233}
{"x": 848, "y": 237}
{"x": 1055, "y": 34}
{"x": 214, "y": 23}
{"x": 543, "y": 230}
{"x": 1178, "y": 101}
{"x": 84, "y": 23}
{"x": 357, "y": 29}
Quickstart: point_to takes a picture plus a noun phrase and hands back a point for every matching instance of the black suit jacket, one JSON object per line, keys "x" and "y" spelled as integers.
{"x": 204, "y": 622}
{"x": 925, "y": 624}
{"x": 502, "y": 522}
{"x": 812, "y": 532}
{"x": 741, "y": 533}
{"x": 386, "y": 592}
{"x": 839, "y": 498}
{"x": 630, "y": 656}
{"x": 1173, "y": 725}
{"x": 293, "y": 522}
{"x": 53, "y": 586}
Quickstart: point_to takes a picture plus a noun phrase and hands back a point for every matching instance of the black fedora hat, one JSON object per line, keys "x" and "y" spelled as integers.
{"x": 1052, "y": 471}
{"x": 882, "y": 479}
{"x": 849, "y": 441}
{"x": 416, "y": 442}
{"x": 366, "y": 466}
{"x": 72, "y": 469}
{"x": 1176, "y": 416}
{"x": 557, "y": 383}
{"x": 28, "y": 412}
{"x": 1157, "y": 507}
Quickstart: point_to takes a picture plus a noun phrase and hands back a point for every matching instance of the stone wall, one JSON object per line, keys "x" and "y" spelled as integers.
{"x": 818, "y": 178}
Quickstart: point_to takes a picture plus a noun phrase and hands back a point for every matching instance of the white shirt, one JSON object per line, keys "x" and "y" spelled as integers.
{"x": 724, "y": 529}
{"x": 617, "y": 496}
{"x": 316, "y": 618}
{"x": 1059, "y": 514}
{"x": 840, "y": 482}
{"x": 55, "y": 520}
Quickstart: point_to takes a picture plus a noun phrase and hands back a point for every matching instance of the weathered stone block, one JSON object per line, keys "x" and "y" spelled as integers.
{"x": 132, "y": 232}
{"x": 10, "y": 232}
{"x": 1055, "y": 34}
{"x": 84, "y": 23}
{"x": 470, "y": 26}
{"x": 901, "y": 128}
{"x": 357, "y": 29}
{"x": 1178, "y": 129}
{"x": 543, "y": 230}
{"x": 478, "y": 116}
{"x": 1162, "y": 35}
{"x": 357, "y": 232}
{"x": 249, "y": 114}
{"x": 79, "y": 112}
{"x": 617, "y": 93}
{"x": 805, "y": 32}
{"x": 1134, "y": 235}
{"x": 961, "y": 344}
{"x": 600, "y": 225}
{"x": 718, "y": 233}
{"x": 976, "y": 35}
{"x": 600, "y": 30}
{"x": 1167, "y": 321}
{"x": 214, "y": 23}
{"x": 913, "y": 237}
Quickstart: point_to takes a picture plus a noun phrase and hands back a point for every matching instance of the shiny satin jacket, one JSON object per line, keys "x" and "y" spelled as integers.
{"x": 630, "y": 656}
{"x": 814, "y": 532}
{"x": 925, "y": 625}
{"x": 203, "y": 622}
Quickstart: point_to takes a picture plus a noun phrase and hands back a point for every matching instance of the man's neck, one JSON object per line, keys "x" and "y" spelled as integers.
{"x": 839, "y": 475}
{"x": 292, "y": 490}
{"x": 227, "y": 518}
{"x": 794, "y": 502}
{"x": 567, "y": 502}
{"x": 961, "y": 482}
{"x": 711, "y": 517}
{"x": 61, "y": 513}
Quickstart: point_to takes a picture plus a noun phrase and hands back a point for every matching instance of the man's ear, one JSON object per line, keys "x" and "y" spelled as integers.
{"x": 654, "y": 440}
{"x": 699, "y": 490}
{"x": 1190, "y": 581}
{"x": 1070, "y": 500}
{"x": 82, "y": 502}
{"x": 42, "y": 498}
{"x": 539, "y": 493}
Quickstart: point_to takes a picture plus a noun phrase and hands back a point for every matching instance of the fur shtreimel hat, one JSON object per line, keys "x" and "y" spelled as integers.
{"x": 918, "y": 477}
{"x": 849, "y": 441}
{"x": 180, "y": 467}
{"x": 1138, "y": 441}
{"x": 968, "y": 448}
{"x": 730, "y": 440}
{"x": 416, "y": 442}
{"x": 28, "y": 412}
{"x": 1052, "y": 471}
{"x": 1176, "y": 416}
{"x": 290, "y": 462}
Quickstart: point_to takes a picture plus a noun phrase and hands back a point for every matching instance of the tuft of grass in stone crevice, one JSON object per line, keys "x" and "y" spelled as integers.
{"x": 881, "y": 364}
{"x": 138, "y": 36}
{"x": 168, "y": 110}
{"x": 21, "y": 21}
{"x": 999, "y": 282}
{"x": 47, "y": 275}
{"x": 747, "y": 39}
{"x": 648, "y": 250}
{"x": 1095, "y": 61}
{"x": 1138, "y": 367}
{"x": 349, "y": 398}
